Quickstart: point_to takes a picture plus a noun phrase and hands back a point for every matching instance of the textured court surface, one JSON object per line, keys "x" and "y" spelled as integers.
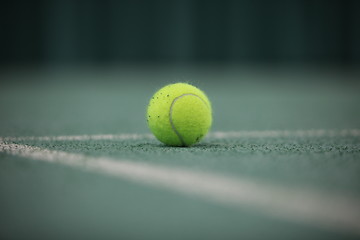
{"x": 282, "y": 160}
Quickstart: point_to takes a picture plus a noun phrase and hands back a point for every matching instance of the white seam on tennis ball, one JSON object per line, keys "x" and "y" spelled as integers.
{"x": 170, "y": 114}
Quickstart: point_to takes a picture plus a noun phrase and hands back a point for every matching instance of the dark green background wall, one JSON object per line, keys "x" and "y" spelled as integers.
{"x": 102, "y": 32}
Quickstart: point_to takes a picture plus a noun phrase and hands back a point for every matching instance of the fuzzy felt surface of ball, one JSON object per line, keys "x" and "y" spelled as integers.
{"x": 179, "y": 114}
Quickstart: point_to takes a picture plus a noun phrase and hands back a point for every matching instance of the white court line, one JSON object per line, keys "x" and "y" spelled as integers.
{"x": 329, "y": 210}
{"x": 80, "y": 137}
{"x": 211, "y": 135}
{"x": 288, "y": 133}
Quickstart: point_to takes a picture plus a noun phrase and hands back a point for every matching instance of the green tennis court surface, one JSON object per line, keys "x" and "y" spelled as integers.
{"x": 282, "y": 159}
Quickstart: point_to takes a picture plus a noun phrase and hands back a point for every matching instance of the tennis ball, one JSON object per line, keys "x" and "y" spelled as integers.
{"x": 179, "y": 114}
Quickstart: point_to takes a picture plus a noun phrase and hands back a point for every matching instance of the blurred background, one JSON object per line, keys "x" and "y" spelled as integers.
{"x": 102, "y": 32}
{"x": 74, "y": 66}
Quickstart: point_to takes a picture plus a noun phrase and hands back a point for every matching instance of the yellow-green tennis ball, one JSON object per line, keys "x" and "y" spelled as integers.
{"x": 179, "y": 114}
